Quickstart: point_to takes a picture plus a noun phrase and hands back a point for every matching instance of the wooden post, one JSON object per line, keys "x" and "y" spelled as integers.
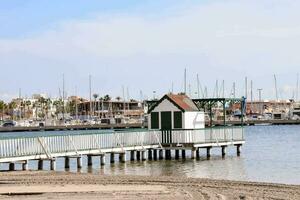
{"x": 198, "y": 153}
{"x": 123, "y": 157}
{"x": 112, "y": 157}
{"x": 143, "y": 155}
{"x": 79, "y": 162}
{"x": 223, "y": 150}
{"x": 168, "y": 154}
{"x": 89, "y": 160}
{"x": 177, "y": 154}
{"x": 193, "y": 153}
{"x": 150, "y": 154}
{"x": 138, "y": 155}
{"x": 154, "y": 154}
{"x": 11, "y": 166}
{"x": 183, "y": 154}
{"x": 53, "y": 164}
{"x": 238, "y": 149}
{"x": 208, "y": 149}
{"x": 161, "y": 154}
{"x": 40, "y": 164}
{"x": 25, "y": 165}
{"x": 102, "y": 159}
{"x": 132, "y": 155}
{"x": 67, "y": 162}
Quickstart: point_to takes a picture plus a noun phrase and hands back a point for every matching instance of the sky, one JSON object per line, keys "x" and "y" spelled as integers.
{"x": 146, "y": 45}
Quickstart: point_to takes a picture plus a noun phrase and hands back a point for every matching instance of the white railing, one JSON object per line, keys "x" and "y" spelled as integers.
{"x": 73, "y": 143}
{"x": 47, "y": 145}
{"x": 208, "y": 135}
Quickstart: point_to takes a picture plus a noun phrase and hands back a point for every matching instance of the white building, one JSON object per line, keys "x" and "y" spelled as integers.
{"x": 175, "y": 112}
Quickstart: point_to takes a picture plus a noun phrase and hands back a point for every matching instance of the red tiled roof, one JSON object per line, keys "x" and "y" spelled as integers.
{"x": 183, "y": 101}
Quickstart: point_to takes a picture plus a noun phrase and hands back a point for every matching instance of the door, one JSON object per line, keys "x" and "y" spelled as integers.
{"x": 166, "y": 120}
{"x": 166, "y": 127}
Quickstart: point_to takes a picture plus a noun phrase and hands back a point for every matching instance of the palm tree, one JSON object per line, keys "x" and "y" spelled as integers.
{"x": 95, "y": 99}
{"x": 22, "y": 109}
{"x": 47, "y": 106}
{"x": 3, "y": 106}
{"x": 42, "y": 102}
{"x": 12, "y": 106}
{"x": 107, "y": 98}
{"x": 36, "y": 105}
{"x": 58, "y": 106}
{"x": 27, "y": 103}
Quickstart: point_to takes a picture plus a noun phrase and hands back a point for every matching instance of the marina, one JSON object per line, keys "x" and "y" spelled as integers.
{"x": 175, "y": 124}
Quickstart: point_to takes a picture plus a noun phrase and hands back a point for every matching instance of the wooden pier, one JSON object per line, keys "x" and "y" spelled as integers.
{"x": 135, "y": 145}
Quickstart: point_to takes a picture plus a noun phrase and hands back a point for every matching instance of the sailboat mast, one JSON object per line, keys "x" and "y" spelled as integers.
{"x": 251, "y": 94}
{"x": 297, "y": 87}
{"x": 184, "y": 80}
{"x": 246, "y": 87}
{"x": 76, "y": 103}
{"x": 233, "y": 88}
{"x": 63, "y": 98}
{"x": 198, "y": 86}
{"x": 276, "y": 91}
{"x": 90, "y": 89}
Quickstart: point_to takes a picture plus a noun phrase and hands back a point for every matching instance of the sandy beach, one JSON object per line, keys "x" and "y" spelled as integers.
{"x": 65, "y": 185}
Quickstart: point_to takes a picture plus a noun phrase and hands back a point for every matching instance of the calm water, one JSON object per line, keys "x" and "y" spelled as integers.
{"x": 271, "y": 154}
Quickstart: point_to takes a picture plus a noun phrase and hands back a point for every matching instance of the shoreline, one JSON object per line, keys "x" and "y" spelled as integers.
{"x": 67, "y": 185}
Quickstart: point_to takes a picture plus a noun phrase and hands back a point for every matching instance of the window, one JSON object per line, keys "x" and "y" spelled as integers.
{"x": 154, "y": 120}
{"x": 177, "y": 119}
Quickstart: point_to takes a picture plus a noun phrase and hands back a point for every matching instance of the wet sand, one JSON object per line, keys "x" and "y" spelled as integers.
{"x": 64, "y": 185}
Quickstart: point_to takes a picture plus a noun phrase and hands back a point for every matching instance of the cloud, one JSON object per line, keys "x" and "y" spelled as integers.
{"x": 221, "y": 39}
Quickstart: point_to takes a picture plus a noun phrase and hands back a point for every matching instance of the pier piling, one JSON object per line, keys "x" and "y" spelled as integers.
{"x": 112, "y": 157}
{"x": 132, "y": 155}
{"x": 89, "y": 160}
{"x": 67, "y": 162}
{"x": 102, "y": 160}
{"x": 161, "y": 154}
{"x": 154, "y": 154}
{"x": 143, "y": 155}
{"x": 208, "y": 150}
{"x": 40, "y": 164}
{"x": 183, "y": 154}
{"x": 122, "y": 157}
{"x": 79, "y": 162}
{"x": 138, "y": 155}
{"x": 223, "y": 151}
{"x": 150, "y": 154}
{"x": 11, "y": 166}
{"x": 198, "y": 153}
{"x": 25, "y": 165}
{"x": 193, "y": 153}
{"x": 168, "y": 154}
{"x": 177, "y": 154}
{"x": 238, "y": 149}
{"x": 53, "y": 164}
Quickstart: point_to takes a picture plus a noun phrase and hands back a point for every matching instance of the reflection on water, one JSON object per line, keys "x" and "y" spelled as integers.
{"x": 271, "y": 154}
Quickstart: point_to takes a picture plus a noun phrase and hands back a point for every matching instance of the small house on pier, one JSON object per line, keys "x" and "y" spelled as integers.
{"x": 175, "y": 111}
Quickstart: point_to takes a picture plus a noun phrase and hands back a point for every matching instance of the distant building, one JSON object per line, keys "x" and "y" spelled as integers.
{"x": 266, "y": 106}
{"x": 112, "y": 109}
